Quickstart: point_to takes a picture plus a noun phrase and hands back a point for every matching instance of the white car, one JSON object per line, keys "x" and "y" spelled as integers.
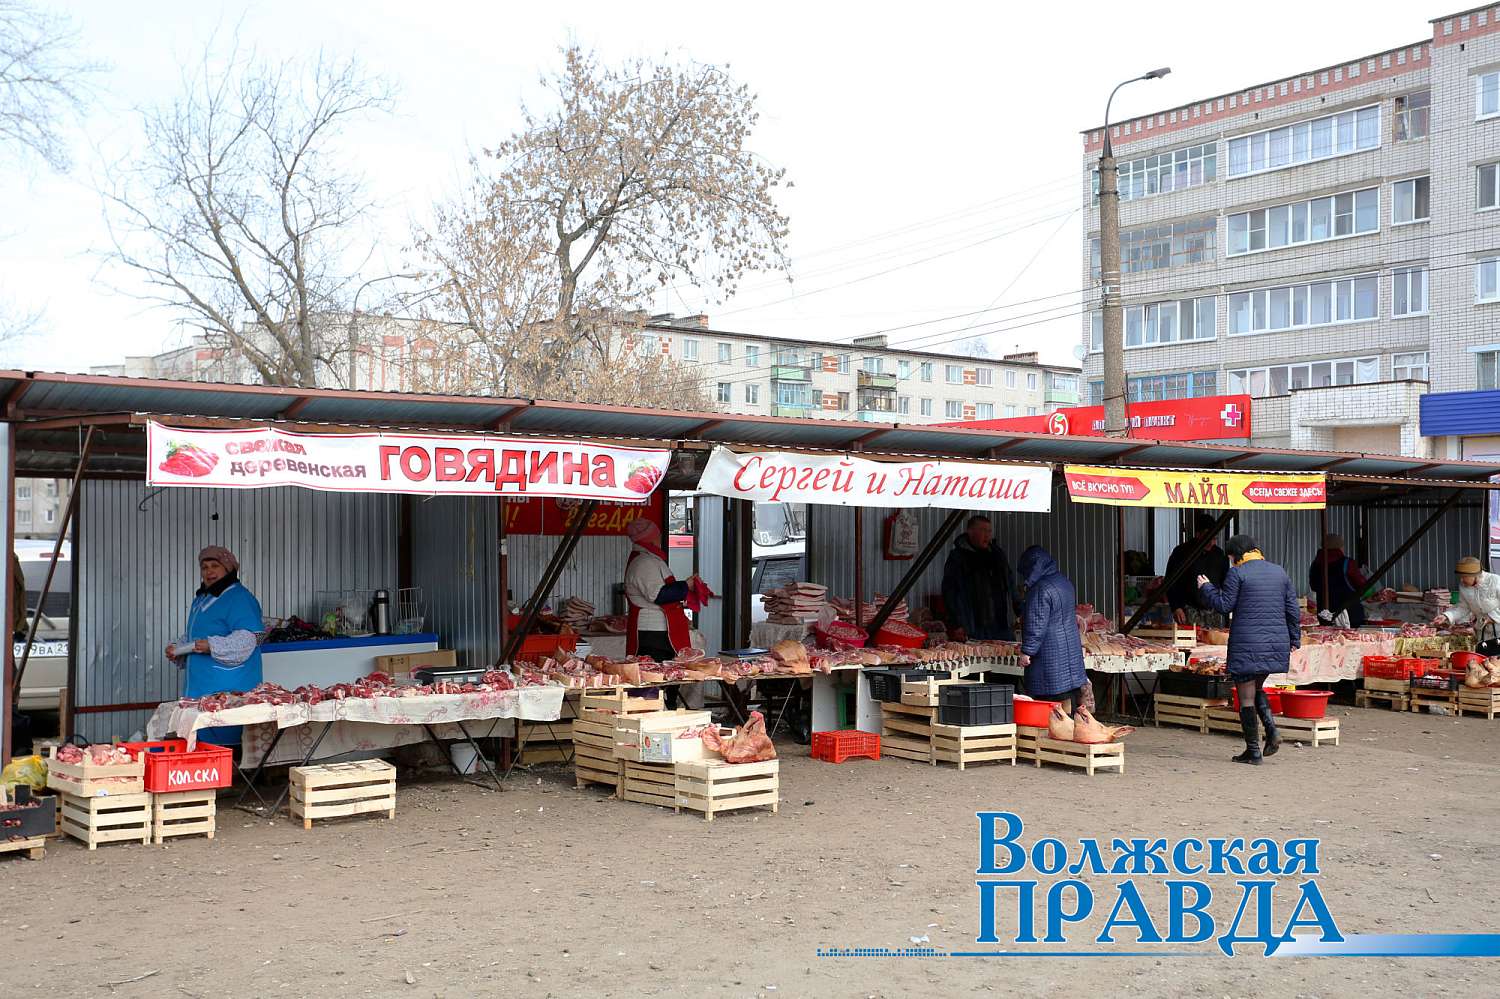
{"x": 46, "y": 674}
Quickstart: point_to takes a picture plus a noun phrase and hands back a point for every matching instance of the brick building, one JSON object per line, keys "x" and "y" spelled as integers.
{"x": 1328, "y": 243}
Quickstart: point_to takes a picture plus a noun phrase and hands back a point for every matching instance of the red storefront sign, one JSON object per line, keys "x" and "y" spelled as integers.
{"x": 1214, "y": 417}
{"x": 557, "y": 516}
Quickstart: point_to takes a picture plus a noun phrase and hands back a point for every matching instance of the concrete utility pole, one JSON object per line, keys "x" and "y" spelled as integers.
{"x": 1115, "y": 424}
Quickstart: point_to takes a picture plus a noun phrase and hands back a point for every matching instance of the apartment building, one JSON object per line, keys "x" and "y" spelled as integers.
{"x": 742, "y": 373}
{"x": 1328, "y": 243}
{"x": 39, "y": 506}
{"x": 865, "y": 379}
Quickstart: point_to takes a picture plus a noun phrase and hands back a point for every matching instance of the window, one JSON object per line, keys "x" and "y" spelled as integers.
{"x": 1030, "y": 410}
{"x": 954, "y": 374}
{"x": 50, "y": 488}
{"x": 793, "y": 394}
{"x": 23, "y": 492}
{"x": 1486, "y": 96}
{"x": 1487, "y": 280}
{"x": 789, "y": 358}
{"x": 872, "y": 365}
{"x": 1010, "y": 379}
{"x": 726, "y": 353}
{"x": 1165, "y": 172}
{"x": 986, "y": 411}
{"x": 1160, "y": 247}
{"x": 49, "y": 515}
{"x": 1279, "y": 380}
{"x": 1010, "y": 410}
{"x": 1165, "y": 322}
{"x": 690, "y": 350}
{"x": 926, "y": 407}
{"x": 1409, "y": 367}
{"x": 752, "y": 395}
{"x": 1412, "y": 116}
{"x": 903, "y": 370}
{"x": 843, "y": 364}
{"x": 953, "y": 410}
{"x": 726, "y": 393}
{"x": 1351, "y": 214}
{"x": 1318, "y": 139}
{"x": 986, "y": 376}
{"x": 23, "y": 517}
{"x": 1489, "y": 186}
{"x": 647, "y": 345}
{"x": 1031, "y": 381}
{"x": 752, "y": 357}
{"x": 1489, "y": 369}
{"x": 903, "y": 405}
{"x": 1409, "y": 291}
{"x": 1150, "y": 388}
{"x": 843, "y": 402}
{"x": 1324, "y": 303}
{"x": 1411, "y": 200}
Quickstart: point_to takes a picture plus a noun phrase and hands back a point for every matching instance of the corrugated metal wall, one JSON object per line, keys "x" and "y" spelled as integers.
{"x": 1080, "y": 536}
{"x": 454, "y": 561}
{"x": 138, "y": 551}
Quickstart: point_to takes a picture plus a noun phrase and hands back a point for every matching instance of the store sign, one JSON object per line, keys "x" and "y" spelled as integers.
{"x": 424, "y": 464}
{"x": 557, "y": 516}
{"x": 1216, "y": 417}
{"x": 782, "y": 477}
{"x": 1196, "y": 490}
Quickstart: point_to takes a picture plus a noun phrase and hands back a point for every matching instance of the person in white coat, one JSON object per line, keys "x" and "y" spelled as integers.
{"x": 1478, "y": 597}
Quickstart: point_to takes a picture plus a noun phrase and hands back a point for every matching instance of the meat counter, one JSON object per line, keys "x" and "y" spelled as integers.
{"x": 335, "y": 660}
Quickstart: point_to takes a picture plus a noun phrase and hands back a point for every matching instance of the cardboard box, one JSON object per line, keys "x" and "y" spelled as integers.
{"x": 396, "y": 665}
{"x": 631, "y": 729}
{"x": 665, "y": 747}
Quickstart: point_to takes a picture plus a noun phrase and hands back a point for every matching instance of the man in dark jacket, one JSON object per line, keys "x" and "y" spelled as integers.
{"x": 978, "y": 587}
{"x": 1051, "y": 651}
{"x": 1185, "y": 599}
{"x": 1344, "y": 582}
{"x": 1265, "y": 627}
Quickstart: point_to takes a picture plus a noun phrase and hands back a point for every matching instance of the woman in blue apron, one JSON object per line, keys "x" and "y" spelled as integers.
{"x": 222, "y": 626}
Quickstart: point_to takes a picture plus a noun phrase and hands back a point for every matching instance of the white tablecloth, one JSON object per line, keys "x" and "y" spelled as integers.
{"x": 1152, "y": 662}
{"x": 1326, "y": 662}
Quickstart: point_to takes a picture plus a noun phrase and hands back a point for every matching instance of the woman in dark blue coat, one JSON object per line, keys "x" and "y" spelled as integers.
{"x": 1264, "y": 629}
{"x": 1051, "y": 651}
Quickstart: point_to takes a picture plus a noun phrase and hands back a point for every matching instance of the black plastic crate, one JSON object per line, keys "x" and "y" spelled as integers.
{"x": 1181, "y": 684}
{"x": 32, "y": 822}
{"x": 976, "y": 695}
{"x": 975, "y": 715}
{"x": 1436, "y": 681}
{"x": 885, "y": 684}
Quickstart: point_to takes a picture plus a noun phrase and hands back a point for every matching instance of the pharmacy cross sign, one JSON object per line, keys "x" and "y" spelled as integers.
{"x": 1231, "y": 415}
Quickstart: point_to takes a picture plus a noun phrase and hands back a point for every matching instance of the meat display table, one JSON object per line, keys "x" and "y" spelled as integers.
{"x": 1324, "y": 662}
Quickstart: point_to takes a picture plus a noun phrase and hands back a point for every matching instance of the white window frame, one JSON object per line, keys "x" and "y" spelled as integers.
{"x": 1396, "y": 200}
{"x": 1482, "y": 359}
{"x": 903, "y": 405}
{"x": 984, "y": 411}
{"x": 1404, "y": 362}
{"x": 23, "y": 492}
{"x": 1407, "y": 274}
{"x": 903, "y": 370}
{"x": 872, "y": 365}
{"x": 953, "y": 409}
{"x": 752, "y": 394}
{"x": 725, "y": 393}
{"x": 843, "y": 360}
{"x": 1400, "y": 113}
{"x": 925, "y": 370}
{"x": 752, "y": 357}
{"x": 690, "y": 350}
{"x": 1163, "y": 173}
{"x": 1010, "y": 379}
{"x": 1291, "y": 211}
{"x": 1479, "y": 113}
{"x": 726, "y": 353}
{"x": 1147, "y": 318}
{"x": 948, "y": 374}
{"x": 1304, "y": 291}
{"x": 1493, "y": 187}
{"x": 926, "y": 406}
{"x": 1246, "y": 374}
{"x": 1480, "y": 265}
{"x": 986, "y": 376}
{"x": 49, "y": 515}
{"x": 1031, "y": 381}
{"x": 1311, "y": 125}
{"x": 1010, "y": 410}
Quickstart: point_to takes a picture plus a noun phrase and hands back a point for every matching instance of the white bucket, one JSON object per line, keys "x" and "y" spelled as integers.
{"x": 465, "y": 759}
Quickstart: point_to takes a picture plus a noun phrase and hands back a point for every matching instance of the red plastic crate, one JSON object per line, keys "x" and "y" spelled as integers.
{"x": 836, "y": 747}
{"x": 535, "y": 648}
{"x": 170, "y": 767}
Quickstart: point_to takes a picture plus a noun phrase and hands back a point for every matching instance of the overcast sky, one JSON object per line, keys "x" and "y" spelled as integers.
{"x": 934, "y": 148}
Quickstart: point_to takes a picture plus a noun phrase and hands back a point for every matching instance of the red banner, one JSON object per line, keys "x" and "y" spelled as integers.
{"x": 557, "y": 516}
{"x": 1213, "y": 417}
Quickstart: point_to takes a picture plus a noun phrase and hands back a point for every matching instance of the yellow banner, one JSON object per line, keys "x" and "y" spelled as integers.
{"x": 1196, "y": 489}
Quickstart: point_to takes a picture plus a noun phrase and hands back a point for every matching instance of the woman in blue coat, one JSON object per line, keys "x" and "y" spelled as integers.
{"x": 1051, "y": 651}
{"x": 222, "y": 652}
{"x": 1266, "y": 625}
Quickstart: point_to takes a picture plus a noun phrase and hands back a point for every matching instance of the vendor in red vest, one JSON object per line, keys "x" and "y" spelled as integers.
{"x": 658, "y": 625}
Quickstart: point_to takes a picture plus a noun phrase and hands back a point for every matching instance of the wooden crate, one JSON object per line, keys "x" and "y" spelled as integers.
{"x": 1183, "y": 636}
{"x": 1314, "y": 731}
{"x": 714, "y": 787}
{"x": 1222, "y": 718}
{"x": 1028, "y": 738}
{"x": 115, "y": 818}
{"x": 616, "y": 700}
{"x": 973, "y": 744}
{"x": 923, "y": 693}
{"x": 1387, "y": 686}
{"x": 649, "y": 783}
{"x": 906, "y": 731}
{"x": 1370, "y": 698}
{"x": 1421, "y": 698}
{"x": 88, "y": 779}
{"x": 628, "y": 728}
{"x": 594, "y": 749}
{"x": 1480, "y": 701}
{"x": 34, "y": 849}
{"x": 1088, "y": 757}
{"x": 1191, "y": 712}
{"x": 183, "y": 813}
{"x": 336, "y": 790}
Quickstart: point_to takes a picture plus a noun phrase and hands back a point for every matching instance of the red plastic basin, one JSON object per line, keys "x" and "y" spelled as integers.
{"x": 1305, "y": 703}
{"x": 1273, "y": 698}
{"x": 1033, "y": 714}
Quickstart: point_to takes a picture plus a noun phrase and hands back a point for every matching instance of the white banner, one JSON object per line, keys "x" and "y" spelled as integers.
{"x": 425, "y": 464}
{"x": 840, "y": 480}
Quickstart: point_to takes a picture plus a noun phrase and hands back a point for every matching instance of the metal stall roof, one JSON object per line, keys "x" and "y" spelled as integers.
{"x": 49, "y": 410}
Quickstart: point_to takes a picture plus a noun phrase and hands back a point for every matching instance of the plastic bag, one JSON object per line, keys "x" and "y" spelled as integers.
{"x": 26, "y": 770}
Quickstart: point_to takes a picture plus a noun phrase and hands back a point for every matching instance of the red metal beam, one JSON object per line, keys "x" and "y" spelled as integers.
{"x": 864, "y": 439}
{"x": 1336, "y": 462}
{"x": 13, "y": 397}
{"x": 997, "y": 451}
{"x": 297, "y": 406}
{"x": 1133, "y": 450}
{"x": 702, "y": 429}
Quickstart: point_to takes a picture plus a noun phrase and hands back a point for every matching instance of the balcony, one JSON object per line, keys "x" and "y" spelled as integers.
{"x": 791, "y": 373}
{"x": 793, "y": 412}
{"x": 877, "y": 383}
{"x": 876, "y": 402}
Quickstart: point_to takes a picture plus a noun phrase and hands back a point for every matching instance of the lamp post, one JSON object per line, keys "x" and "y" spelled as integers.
{"x": 1109, "y": 275}
{"x": 354, "y": 319}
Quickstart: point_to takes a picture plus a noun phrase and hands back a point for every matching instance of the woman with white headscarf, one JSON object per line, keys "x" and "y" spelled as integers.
{"x": 658, "y": 623}
{"x": 221, "y": 652}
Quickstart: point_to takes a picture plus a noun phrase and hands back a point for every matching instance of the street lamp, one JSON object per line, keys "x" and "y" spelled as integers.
{"x": 1109, "y": 275}
{"x": 354, "y": 318}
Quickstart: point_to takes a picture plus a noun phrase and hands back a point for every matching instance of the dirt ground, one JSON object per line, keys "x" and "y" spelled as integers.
{"x": 545, "y": 890}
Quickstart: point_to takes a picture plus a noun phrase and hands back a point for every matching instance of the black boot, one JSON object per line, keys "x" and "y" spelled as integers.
{"x": 1268, "y": 722}
{"x": 1252, "y": 736}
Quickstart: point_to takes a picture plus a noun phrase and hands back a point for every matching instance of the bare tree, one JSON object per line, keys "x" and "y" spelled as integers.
{"x": 42, "y": 80}
{"x": 632, "y": 179}
{"x": 237, "y": 215}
